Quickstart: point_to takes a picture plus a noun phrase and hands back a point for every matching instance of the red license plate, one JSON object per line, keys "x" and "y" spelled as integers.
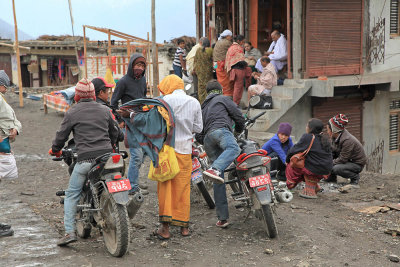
{"x": 195, "y": 164}
{"x": 260, "y": 180}
{"x": 118, "y": 186}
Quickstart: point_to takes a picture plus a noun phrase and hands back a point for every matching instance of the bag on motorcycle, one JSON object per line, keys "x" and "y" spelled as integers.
{"x": 168, "y": 166}
{"x": 298, "y": 159}
{"x": 261, "y": 102}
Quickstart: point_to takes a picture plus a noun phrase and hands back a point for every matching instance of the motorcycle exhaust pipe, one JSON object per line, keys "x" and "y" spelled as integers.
{"x": 134, "y": 204}
{"x": 284, "y": 196}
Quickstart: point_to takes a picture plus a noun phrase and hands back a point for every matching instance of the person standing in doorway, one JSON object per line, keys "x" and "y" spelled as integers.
{"x": 130, "y": 87}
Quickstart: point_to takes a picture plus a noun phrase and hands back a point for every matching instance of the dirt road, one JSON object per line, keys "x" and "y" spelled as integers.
{"x": 324, "y": 232}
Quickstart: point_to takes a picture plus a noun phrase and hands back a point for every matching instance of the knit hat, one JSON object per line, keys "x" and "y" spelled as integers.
{"x": 84, "y": 89}
{"x": 285, "y": 128}
{"x": 213, "y": 87}
{"x": 338, "y": 123}
{"x": 4, "y": 80}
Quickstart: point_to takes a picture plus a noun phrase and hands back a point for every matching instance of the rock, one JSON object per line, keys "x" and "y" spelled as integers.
{"x": 394, "y": 258}
{"x": 268, "y": 251}
{"x": 287, "y": 259}
{"x": 164, "y": 244}
{"x": 346, "y": 189}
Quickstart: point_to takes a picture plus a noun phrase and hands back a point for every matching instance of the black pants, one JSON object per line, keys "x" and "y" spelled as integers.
{"x": 348, "y": 170}
{"x": 277, "y": 164}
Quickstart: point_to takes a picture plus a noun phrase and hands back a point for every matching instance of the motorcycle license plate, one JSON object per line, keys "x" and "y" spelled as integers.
{"x": 260, "y": 180}
{"x": 118, "y": 186}
{"x": 197, "y": 176}
{"x": 195, "y": 164}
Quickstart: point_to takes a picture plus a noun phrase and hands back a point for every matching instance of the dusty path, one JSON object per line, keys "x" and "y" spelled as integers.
{"x": 322, "y": 232}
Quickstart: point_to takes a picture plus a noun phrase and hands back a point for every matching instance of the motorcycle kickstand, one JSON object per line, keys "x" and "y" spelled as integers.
{"x": 247, "y": 216}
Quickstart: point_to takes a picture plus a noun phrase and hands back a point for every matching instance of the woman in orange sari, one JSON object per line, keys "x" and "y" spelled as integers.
{"x": 174, "y": 194}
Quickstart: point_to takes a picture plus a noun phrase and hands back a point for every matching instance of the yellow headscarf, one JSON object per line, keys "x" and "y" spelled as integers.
{"x": 170, "y": 83}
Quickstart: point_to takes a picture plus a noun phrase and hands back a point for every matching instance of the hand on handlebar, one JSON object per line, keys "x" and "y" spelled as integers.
{"x": 57, "y": 154}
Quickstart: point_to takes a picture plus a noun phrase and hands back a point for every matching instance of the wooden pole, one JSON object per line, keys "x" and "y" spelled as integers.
{"x": 241, "y": 17}
{"x": 84, "y": 50}
{"x": 154, "y": 49}
{"x": 197, "y": 11}
{"x": 289, "y": 39}
{"x": 109, "y": 50}
{"x": 21, "y": 99}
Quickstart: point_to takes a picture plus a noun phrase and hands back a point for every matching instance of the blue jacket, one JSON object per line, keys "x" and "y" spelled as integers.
{"x": 149, "y": 129}
{"x": 275, "y": 145}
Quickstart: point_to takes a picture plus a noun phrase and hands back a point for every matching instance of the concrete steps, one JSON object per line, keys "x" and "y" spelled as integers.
{"x": 283, "y": 98}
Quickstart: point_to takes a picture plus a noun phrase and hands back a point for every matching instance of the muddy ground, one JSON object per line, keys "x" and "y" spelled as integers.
{"x": 327, "y": 231}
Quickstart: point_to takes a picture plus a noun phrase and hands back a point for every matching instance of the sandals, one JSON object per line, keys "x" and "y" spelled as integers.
{"x": 160, "y": 237}
{"x": 189, "y": 233}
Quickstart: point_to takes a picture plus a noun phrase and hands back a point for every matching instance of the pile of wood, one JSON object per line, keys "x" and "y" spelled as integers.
{"x": 58, "y": 38}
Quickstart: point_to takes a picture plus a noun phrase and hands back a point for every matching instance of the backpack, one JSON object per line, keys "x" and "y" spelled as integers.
{"x": 261, "y": 102}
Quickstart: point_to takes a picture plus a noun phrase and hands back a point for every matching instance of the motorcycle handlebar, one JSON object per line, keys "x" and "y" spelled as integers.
{"x": 257, "y": 116}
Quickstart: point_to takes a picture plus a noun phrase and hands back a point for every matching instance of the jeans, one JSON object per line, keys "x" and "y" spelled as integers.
{"x": 73, "y": 194}
{"x": 177, "y": 70}
{"x": 348, "y": 170}
{"x": 222, "y": 149}
{"x": 135, "y": 162}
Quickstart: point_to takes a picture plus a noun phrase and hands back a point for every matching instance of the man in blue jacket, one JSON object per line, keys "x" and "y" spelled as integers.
{"x": 130, "y": 87}
{"x": 278, "y": 146}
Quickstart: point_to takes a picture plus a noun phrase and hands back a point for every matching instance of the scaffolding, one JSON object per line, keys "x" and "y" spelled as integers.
{"x": 129, "y": 42}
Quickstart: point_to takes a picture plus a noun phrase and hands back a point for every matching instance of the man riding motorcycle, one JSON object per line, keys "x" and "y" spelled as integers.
{"x": 219, "y": 112}
{"x": 94, "y": 132}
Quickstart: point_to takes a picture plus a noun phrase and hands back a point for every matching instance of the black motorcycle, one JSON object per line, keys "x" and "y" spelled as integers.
{"x": 250, "y": 180}
{"x": 104, "y": 199}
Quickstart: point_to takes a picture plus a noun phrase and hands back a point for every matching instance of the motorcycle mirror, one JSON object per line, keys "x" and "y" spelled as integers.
{"x": 187, "y": 87}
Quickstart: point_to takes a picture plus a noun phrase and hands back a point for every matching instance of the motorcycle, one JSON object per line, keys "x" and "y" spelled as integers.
{"x": 200, "y": 164}
{"x": 104, "y": 200}
{"x": 250, "y": 180}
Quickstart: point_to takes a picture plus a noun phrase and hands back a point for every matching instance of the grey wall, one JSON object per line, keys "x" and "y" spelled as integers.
{"x": 297, "y": 116}
{"x": 376, "y": 128}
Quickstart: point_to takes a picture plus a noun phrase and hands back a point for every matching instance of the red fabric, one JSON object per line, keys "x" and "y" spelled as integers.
{"x": 57, "y": 154}
{"x": 234, "y": 55}
{"x": 237, "y": 77}
{"x": 296, "y": 175}
{"x": 223, "y": 79}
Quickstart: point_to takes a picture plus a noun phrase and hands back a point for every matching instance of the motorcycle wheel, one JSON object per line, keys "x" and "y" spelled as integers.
{"x": 269, "y": 220}
{"x": 209, "y": 200}
{"x": 83, "y": 226}
{"x": 116, "y": 229}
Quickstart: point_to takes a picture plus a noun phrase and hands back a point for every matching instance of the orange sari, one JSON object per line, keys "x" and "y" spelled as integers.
{"x": 174, "y": 194}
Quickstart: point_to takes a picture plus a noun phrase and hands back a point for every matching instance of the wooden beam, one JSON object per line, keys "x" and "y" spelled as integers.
{"x": 109, "y": 50}
{"x": 154, "y": 49}
{"x": 10, "y": 45}
{"x": 21, "y": 99}
{"x": 289, "y": 40}
{"x": 84, "y": 50}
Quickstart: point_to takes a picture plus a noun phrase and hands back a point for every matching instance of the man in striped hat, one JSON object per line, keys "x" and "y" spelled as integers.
{"x": 349, "y": 156}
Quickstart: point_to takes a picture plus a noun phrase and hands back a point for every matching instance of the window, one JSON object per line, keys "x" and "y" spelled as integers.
{"x": 394, "y": 119}
{"x": 394, "y": 17}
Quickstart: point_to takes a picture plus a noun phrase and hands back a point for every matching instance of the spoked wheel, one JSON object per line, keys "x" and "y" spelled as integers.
{"x": 269, "y": 220}
{"x": 83, "y": 226}
{"x": 115, "y": 230}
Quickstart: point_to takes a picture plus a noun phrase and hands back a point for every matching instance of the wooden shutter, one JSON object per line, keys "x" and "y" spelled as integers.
{"x": 351, "y": 107}
{"x": 333, "y": 37}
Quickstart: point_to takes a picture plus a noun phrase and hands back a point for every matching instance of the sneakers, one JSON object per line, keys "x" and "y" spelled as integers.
{"x": 4, "y": 227}
{"x": 222, "y": 224}
{"x": 214, "y": 175}
{"x": 8, "y": 232}
{"x": 67, "y": 239}
{"x": 140, "y": 190}
{"x": 144, "y": 191}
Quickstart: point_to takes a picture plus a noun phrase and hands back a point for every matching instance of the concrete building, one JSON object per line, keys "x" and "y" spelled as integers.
{"x": 343, "y": 57}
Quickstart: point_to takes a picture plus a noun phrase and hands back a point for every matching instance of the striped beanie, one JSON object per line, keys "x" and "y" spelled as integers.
{"x": 4, "y": 80}
{"x": 338, "y": 123}
{"x": 84, "y": 89}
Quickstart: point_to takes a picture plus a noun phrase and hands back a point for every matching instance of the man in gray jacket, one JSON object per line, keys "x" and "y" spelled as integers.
{"x": 94, "y": 132}
{"x": 349, "y": 156}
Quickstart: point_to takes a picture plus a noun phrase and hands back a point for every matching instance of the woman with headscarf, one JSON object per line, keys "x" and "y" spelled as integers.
{"x": 236, "y": 67}
{"x": 318, "y": 161}
{"x": 174, "y": 194}
{"x": 219, "y": 55}
{"x": 203, "y": 68}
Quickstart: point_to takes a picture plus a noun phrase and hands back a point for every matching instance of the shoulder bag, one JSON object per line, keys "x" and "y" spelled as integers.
{"x": 298, "y": 159}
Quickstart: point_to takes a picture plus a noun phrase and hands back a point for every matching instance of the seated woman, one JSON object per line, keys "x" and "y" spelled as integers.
{"x": 251, "y": 54}
{"x": 278, "y": 146}
{"x": 265, "y": 80}
{"x": 318, "y": 161}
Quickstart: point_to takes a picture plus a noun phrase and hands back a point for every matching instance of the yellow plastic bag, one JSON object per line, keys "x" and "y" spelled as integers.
{"x": 168, "y": 166}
